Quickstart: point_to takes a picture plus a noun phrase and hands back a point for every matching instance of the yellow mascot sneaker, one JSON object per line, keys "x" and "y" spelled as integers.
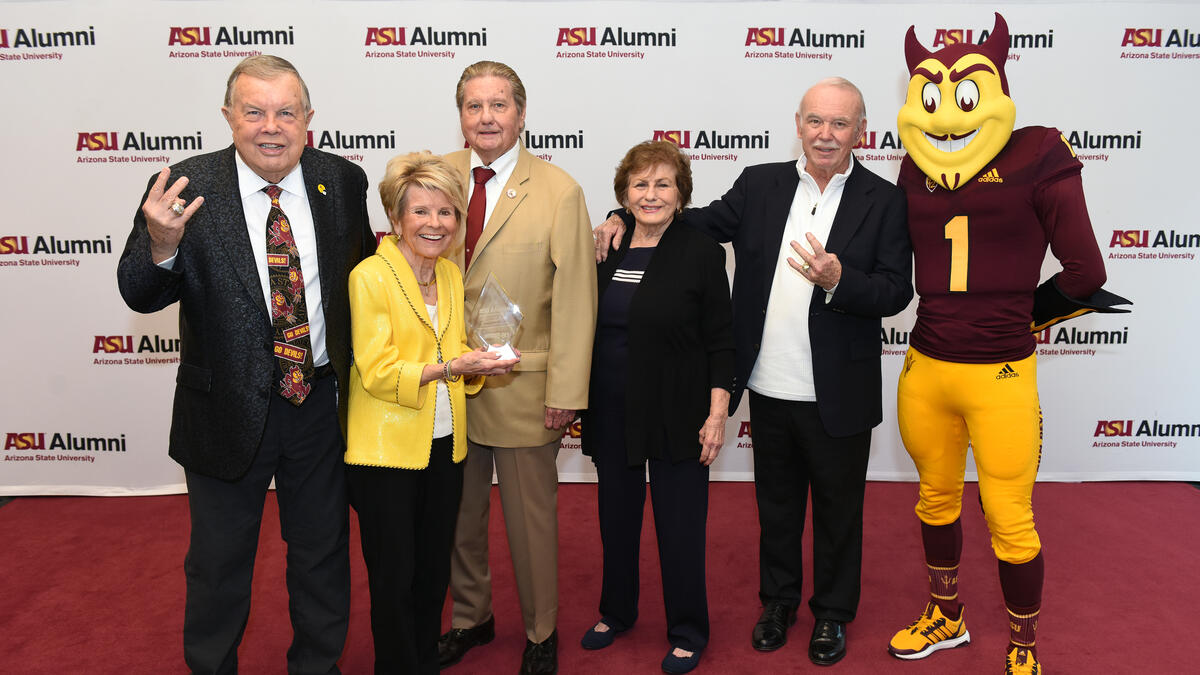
{"x": 929, "y": 633}
{"x": 1021, "y": 661}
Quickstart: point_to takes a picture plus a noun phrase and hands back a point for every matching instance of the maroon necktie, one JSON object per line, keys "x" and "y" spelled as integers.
{"x": 293, "y": 348}
{"x": 476, "y": 209}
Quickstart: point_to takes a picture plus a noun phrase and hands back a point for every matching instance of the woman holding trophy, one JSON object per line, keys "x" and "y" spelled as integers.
{"x": 406, "y": 437}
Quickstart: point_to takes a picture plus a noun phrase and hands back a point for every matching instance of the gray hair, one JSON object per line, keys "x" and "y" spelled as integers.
{"x": 266, "y": 67}
{"x": 844, "y": 84}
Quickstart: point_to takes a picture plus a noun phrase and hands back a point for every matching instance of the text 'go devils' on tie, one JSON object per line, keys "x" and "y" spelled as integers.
{"x": 289, "y": 316}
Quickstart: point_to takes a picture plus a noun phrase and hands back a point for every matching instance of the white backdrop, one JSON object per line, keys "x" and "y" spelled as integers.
{"x": 98, "y": 96}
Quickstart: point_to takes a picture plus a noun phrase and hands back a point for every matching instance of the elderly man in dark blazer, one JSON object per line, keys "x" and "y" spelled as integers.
{"x": 256, "y": 242}
{"x": 822, "y": 254}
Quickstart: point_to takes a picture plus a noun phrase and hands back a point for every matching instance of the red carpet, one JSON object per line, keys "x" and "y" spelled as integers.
{"x": 95, "y": 585}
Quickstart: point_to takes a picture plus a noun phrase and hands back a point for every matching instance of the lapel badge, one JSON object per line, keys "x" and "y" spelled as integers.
{"x": 511, "y": 193}
{"x": 321, "y": 188}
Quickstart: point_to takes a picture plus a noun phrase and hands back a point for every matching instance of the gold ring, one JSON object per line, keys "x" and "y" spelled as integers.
{"x": 177, "y": 208}
{"x": 806, "y": 267}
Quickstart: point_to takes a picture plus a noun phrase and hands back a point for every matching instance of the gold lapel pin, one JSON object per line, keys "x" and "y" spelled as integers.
{"x": 321, "y": 188}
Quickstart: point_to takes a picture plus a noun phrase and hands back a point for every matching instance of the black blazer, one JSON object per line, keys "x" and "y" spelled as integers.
{"x": 869, "y": 236}
{"x": 227, "y": 368}
{"x": 680, "y": 344}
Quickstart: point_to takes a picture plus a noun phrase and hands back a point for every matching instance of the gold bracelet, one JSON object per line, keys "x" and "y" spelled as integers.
{"x": 449, "y": 377}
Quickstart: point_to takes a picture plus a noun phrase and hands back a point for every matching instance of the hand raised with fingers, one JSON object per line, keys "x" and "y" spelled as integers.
{"x": 820, "y": 267}
{"x": 167, "y": 215}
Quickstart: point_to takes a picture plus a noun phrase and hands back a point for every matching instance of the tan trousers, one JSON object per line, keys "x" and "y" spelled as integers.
{"x": 528, "y": 480}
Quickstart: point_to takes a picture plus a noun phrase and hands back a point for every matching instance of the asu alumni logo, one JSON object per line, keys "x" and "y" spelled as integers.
{"x": 763, "y": 42}
{"x": 945, "y": 37}
{"x": 1170, "y": 245}
{"x": 114, "y": 147}
{"x": 193, "y": 42}
{"x": 391, "y": 41}
{"x": 1072, "y": 341}
{"x": 107, "y": 350}
{"x": 1111, "y": 433}
{"x": 1158, "y": 43}
{"x": 1153, "y": 37}
{"x": 42, "y": 446}
{"x": 21, "y": 39}
{"x": 713, "y": 139}
{"x": 575, "y": 42}
{"x": 20, "y": 250}
{"x": 349, "y": 144}
{"x": 1100, "y": 143}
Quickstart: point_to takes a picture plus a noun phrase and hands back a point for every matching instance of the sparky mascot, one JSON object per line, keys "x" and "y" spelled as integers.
{"x": 984, "y": 202}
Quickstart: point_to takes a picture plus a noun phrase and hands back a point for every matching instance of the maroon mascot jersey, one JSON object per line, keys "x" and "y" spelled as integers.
{"x": 979, "y": 249}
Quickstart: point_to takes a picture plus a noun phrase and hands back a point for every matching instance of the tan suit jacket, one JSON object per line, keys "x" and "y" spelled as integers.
{"x": 538, "y": 243}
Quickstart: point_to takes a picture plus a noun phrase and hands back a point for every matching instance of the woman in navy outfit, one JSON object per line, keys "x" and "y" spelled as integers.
{"x": 662, "y": 368}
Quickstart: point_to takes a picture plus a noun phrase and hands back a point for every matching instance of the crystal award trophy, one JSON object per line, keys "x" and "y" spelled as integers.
{"x": 495, "y": 319}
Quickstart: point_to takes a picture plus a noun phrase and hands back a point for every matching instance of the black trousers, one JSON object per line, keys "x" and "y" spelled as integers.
{"x": 793, "y": 456}
{"x": 679, "y": 496}
{"x": 406, "y": 519}
{"x": 302, "y": 450}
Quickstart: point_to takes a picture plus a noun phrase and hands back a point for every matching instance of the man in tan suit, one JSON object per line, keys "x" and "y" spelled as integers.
{"x": 527, "y": 225}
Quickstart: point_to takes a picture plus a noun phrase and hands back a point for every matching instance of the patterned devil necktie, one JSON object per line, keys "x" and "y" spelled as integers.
{"x": 293, "y": 348}
{"x": 476, "y": 209}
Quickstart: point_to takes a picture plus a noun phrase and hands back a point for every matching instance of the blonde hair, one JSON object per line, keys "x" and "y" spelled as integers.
{"x": 426, "y": 170}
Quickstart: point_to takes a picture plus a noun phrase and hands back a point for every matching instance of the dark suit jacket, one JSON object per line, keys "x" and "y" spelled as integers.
{"x": 870, "y": 238}
{"x": 227, "y": 368}
{"x": 680, "y": 345}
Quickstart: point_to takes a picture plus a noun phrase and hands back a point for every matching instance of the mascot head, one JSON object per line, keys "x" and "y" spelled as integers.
{"x": 957, "y": 115}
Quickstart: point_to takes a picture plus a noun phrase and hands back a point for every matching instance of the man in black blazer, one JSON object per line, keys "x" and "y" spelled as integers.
{"x": 822, "y": 254}
{"x": 203, "y": 241}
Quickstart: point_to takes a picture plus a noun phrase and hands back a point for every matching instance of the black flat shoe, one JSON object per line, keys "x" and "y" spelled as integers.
{"x": 594, "y": 639}
{"x": 676, "y": 665}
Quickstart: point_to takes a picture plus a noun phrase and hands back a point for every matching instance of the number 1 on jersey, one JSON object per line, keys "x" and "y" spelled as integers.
{"x": 956, "y": 232}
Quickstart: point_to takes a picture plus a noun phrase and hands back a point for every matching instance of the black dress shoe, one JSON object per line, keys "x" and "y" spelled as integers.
{"x": 540, "y": 658}
{"x": 453, "y": 645}
{"x": 770, "y": 633}
{"x": 828, "y": 643}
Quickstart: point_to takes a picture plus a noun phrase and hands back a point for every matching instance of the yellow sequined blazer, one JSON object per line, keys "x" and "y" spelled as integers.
{"x": 391, "y": 412}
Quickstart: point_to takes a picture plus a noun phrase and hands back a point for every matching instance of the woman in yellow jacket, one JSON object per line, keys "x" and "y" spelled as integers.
{"x": 406, "y": 435}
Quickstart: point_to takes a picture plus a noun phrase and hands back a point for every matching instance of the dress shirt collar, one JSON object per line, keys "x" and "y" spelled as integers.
{"x": 504, "y": 163}
{"x": 250, "y": 182}
{"x": 837, "y": 181}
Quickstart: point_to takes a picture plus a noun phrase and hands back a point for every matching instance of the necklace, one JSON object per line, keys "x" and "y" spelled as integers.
{"x": 426, "y": 284}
